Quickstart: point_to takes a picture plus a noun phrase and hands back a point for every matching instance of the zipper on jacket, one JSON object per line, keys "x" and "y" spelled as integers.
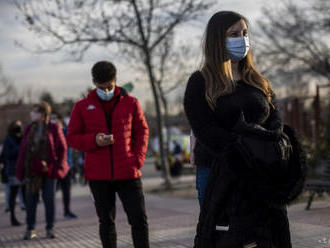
{"x": 109, "y": 125}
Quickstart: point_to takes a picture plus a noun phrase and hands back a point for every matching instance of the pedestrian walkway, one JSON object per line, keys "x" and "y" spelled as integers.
{"x": 172, "y": 224}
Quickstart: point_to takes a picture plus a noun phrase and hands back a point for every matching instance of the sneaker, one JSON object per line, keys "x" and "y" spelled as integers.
{"x": 50, "y": 234}
{"x": 30, "y": 234}
{"x": 70, "y": 215}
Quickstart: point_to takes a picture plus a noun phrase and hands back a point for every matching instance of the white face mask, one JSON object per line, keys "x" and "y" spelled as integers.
{"x": 35, "y": 116}
{"x": 53, "y": 121}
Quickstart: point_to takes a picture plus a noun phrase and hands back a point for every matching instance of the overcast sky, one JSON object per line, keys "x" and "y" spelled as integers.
{"x": 68, "y": 79}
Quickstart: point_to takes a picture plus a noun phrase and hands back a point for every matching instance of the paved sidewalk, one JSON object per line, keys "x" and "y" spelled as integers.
{"x": 172, "y": 224}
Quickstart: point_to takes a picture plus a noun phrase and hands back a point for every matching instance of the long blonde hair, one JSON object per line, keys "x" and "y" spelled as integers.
{"x": 216, "y": 67}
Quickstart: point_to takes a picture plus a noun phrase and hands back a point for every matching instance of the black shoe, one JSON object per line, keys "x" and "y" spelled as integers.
{"x": 50, "y": 234}
{"x": 15, "y": 222}
{"x": 23, "y": 208}
{"x": 70, "y": 215}
{"x": 30, "y": 234}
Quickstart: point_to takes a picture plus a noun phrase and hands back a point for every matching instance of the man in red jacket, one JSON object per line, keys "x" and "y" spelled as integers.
{"x": 109, "y": 126}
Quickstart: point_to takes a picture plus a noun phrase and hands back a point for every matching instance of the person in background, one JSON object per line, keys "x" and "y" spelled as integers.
{"x": 4, "y": 181}
{"x": 79, "y": 161}
{"x": 177, "y": 150}
{"x": 10, "y": 152}
{"x": 110, "y": 127}
{"x": 65, "y": 183}
{"x": 42, "y": 160}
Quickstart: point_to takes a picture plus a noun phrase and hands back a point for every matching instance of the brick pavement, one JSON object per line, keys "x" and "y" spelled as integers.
{"x": 172, "y": 224}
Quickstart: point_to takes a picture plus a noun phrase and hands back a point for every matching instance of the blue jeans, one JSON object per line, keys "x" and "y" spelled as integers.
{"x": 202, "y": 174}
{"x": 48, "y": 197}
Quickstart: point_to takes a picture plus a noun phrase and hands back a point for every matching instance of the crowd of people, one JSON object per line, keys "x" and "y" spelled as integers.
{"x": 249, "y": 164}
{"x": 36, "y": 160}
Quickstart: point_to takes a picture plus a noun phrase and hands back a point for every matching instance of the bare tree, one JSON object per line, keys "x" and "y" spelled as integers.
{"x": 7, "y": 88}
{"x": 295, "y": 38}
{"x": 170, "y": 77}
{"x": 138, "y": 27}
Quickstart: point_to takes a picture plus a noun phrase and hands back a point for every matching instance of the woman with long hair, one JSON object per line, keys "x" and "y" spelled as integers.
{"x": 231, "y": 108}
{"x": 42, "y": 160}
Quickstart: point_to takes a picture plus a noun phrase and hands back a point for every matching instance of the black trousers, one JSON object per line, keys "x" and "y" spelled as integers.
{"x": 12, "y": 199}
{"x": 65, "y": 185}
{"x": 131, "y": 195}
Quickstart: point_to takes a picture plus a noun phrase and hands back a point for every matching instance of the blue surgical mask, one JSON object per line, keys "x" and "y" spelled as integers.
{"x": 237, "y": 48}
{"x": 105, "y": 95}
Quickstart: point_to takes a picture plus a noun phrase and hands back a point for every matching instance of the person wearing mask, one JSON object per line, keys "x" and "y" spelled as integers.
{"x": 10, "y": 151}
{"x": 177, "y": 150}
{"x": 4, "y": 181}
{"x": 255, "y": 168}
{"x": 110, "y": 127}
{"x": 42, "y": 160}
{"x": 65, "y": 183}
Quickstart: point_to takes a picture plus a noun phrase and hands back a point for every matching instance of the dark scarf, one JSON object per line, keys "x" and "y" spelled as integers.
{"x": 36, "y": 147}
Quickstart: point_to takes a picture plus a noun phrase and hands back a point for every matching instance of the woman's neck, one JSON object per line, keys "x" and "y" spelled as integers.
{"x": 236, "y": 74}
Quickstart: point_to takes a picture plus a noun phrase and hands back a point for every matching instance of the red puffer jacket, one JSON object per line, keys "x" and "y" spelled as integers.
{"x": 57, "y": 152}
{"x": 126, "y": 122}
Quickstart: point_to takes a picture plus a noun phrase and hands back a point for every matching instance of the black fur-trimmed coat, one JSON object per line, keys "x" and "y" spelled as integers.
{"x": 250, "y": 200}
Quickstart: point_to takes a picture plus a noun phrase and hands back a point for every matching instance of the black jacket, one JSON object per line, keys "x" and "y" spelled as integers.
{"x": 250, "y": 199}
{"x": 10, "y": 152}
{"x": 212, "y": 129}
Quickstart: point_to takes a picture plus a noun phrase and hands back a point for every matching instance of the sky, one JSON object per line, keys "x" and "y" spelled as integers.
{"x": 67, "y": 79}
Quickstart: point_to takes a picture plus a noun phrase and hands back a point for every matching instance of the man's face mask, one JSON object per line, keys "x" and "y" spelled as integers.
{"x": 237, "y": 47}
{"x": 105, "y": 95}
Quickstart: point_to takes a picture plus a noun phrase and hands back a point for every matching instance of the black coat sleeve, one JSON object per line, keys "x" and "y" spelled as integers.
{"x": 221, "y": 182}
{"x": 274, "y": 121}
{"x": 202, "y": 119}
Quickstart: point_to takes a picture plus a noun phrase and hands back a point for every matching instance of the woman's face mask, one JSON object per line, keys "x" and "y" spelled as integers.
{"x": 237, "y": 41}
{"x": 35, "y": 116}
{"x": 237, "y": 47}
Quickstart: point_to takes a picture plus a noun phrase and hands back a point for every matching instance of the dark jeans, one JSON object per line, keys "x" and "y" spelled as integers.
{"x": 131, "y": 195}
{"x": 65, "y": 185}
{"x": 202, "y": 174}
{"x": 48, "y": 195}
{"x": 12, "y": 198}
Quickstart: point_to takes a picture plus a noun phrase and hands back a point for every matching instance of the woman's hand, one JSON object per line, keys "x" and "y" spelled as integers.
{"x": 244, "y": 128}
{"x": 44, "y": 166}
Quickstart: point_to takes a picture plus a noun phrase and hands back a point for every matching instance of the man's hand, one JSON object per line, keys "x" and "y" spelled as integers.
{"x": 102, "y": 139}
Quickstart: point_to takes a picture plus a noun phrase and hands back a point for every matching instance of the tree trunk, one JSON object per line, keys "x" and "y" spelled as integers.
{"x": 163, "y": 154}
{"x": 166, "y": 120}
